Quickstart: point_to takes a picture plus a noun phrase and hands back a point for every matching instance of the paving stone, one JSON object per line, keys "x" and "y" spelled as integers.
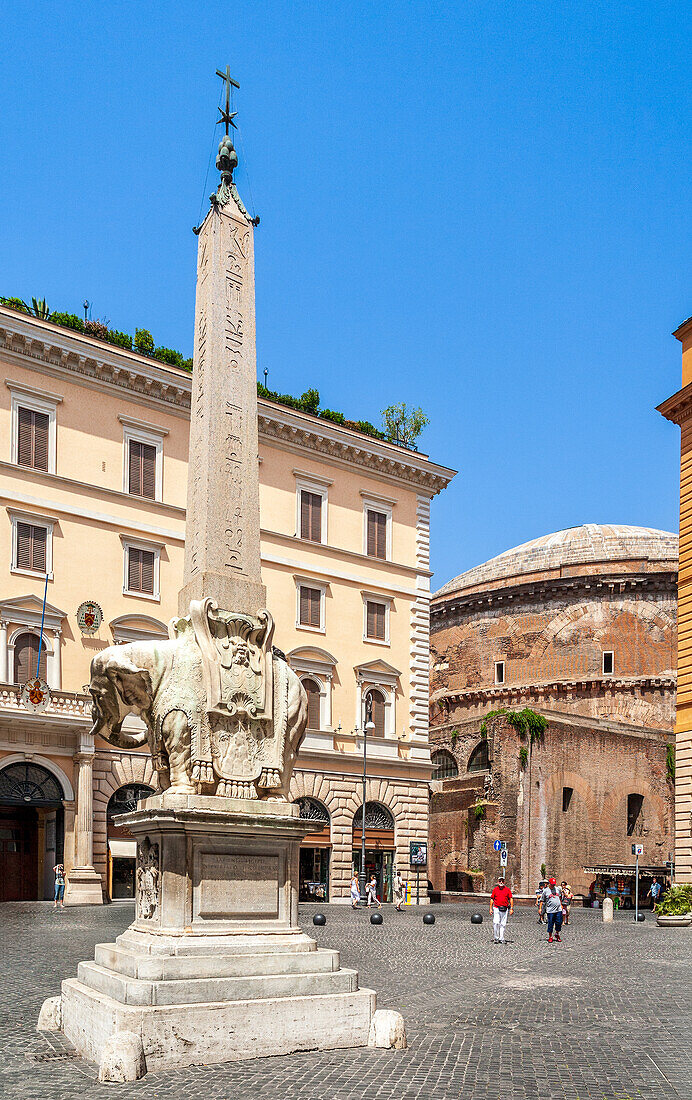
{"x": 605, "y": 1014}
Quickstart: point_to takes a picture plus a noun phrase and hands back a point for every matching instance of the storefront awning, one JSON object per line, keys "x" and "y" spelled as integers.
{"x": 123, "y": 849}
{"x": 624, "y": 870}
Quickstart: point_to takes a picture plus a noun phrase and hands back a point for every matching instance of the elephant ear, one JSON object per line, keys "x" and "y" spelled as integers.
{"x": 133, "y": 686}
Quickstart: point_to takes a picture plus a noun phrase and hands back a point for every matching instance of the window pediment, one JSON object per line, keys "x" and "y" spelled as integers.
{"x": 26, "y": 611}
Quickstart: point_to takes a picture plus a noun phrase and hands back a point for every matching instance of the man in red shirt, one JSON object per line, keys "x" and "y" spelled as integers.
{"x": 501, "y": 906}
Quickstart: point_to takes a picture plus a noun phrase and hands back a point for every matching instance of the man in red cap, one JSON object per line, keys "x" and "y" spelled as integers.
{"x": 552, "y": 907}
{"x": 501, "y": 905}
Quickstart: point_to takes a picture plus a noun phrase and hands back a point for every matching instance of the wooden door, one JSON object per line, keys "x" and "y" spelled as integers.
{"x": 18, "y": 856}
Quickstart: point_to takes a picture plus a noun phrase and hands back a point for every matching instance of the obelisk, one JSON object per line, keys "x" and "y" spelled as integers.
{"x": 222, "y": 544}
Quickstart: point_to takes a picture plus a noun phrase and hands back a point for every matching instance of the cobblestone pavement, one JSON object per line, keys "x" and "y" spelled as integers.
{"x": 605, "y": 1014}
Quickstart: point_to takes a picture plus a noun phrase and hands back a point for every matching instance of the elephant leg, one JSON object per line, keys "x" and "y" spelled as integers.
{"x": 176, "y": 738}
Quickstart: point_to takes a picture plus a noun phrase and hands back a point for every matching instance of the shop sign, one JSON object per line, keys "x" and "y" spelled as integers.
{"x": 418, "y": 853}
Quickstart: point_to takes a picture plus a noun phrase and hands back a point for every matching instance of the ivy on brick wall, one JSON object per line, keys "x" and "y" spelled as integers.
{"x": 526, "y": 722}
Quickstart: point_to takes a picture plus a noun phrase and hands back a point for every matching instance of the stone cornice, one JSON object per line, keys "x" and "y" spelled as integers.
{"x": 602, "y": 685}
{"x": 677, "y": 408}
{"x": 441, "y": 734}
{"x": 56, "y": 351}
{"x": 516, "y": 594}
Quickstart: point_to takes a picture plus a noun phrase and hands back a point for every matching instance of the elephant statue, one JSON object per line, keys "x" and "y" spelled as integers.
{"x": 192, "y": 748}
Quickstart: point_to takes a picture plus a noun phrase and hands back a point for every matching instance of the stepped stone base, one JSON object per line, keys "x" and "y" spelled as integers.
{"x": 83, "y": 887}
{"x": 215, "y": 967}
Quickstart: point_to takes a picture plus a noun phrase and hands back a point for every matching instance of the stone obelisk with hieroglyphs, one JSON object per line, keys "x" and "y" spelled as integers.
{"x": 222, "y": 548}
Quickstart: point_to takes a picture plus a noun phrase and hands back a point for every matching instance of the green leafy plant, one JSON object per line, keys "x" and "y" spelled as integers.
{"x": 454, "y": 737}
{"x": 479, "y": 810}
{"x": 403, "y": 425}
{"x": 523, "y": 756}
{"x": 670, "y": 762}
{"x": 677, "y": 901}
{"x": 543, "y": 870}
{"x": 526, "y": 722}
{"x": 170, "y": 356}
{"x": 144, "y": 341}
{"x": 120, "y": 339}
{"x": 68, "y": 320}
{"x": 40, "y": 309}
{"x": 15, "y": 303}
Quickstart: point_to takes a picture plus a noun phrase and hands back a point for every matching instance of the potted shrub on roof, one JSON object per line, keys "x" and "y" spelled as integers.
{"x": 675, "y": 911}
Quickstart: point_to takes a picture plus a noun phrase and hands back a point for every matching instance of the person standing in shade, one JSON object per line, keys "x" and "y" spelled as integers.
{"x": 398, "y": 891}
{"x": 501, "y": 906}
{"x": 567, "y": 899}
{"x": 371, "y": 891}
{"x": 59, "y": 872}
{"x": 552, "y": 907}
{"x": 355, "y": 892}
{"x": 654, "y": 892}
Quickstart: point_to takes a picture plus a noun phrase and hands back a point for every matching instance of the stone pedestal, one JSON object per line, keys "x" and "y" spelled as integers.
{"x": 214, "y": 967}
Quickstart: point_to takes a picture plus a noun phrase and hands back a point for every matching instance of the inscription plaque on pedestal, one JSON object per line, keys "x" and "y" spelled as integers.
{"x": 233, "y": 886}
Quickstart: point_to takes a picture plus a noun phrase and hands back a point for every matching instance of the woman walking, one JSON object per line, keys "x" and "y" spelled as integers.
{"x": 398, "y": 891}
{"x": 371, "y": 891}
{"x": 355, "y": 892}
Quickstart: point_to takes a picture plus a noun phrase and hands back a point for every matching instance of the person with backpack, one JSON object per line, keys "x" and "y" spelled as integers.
{"x": 501, "y": 906}
{"x": 552, "y": 907}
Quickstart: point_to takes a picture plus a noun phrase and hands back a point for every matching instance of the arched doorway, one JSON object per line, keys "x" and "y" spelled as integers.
{"x": 31, "y": 831}
{"x": 379, "y": 846}
{"x": 315, "y": 850}
{"x": 122, "y": 848}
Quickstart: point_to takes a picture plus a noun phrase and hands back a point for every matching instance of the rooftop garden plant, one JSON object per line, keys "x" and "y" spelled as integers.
{"x": 401, "y": 425}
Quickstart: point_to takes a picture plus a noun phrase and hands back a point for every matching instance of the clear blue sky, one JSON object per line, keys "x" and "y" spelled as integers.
{"x": 480, "y": 208}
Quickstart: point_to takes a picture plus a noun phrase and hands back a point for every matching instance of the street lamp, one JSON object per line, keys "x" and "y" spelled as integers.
{"x": 368, "y": 724}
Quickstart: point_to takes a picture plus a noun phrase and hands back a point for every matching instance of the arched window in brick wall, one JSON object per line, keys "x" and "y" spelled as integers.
{"x": 444, "y": 764}
{"x": 478, "y": 760}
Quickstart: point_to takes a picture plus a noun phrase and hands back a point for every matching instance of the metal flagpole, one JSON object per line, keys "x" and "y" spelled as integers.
{"x": 636, "y": 888}
{"x": 368, "y": 724}
{"x": 40, "y": 640}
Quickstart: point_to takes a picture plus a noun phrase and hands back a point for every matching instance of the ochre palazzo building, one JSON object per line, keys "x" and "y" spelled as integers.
{"x": 678, "y": 409}
{"x": 93, "y": 479}
{"x": 578, "y": 626}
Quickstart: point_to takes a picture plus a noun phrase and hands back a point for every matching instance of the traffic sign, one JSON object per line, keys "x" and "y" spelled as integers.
{"x": 503, "y": 845}
{"x": 497, "y": 845}
{"x": 503, "y": 858}
{"x": 637, "y": 849}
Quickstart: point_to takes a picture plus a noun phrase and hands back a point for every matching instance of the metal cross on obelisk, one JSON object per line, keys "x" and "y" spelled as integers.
{"x": 226, "y": 115}
{"x": 222, "y": 541}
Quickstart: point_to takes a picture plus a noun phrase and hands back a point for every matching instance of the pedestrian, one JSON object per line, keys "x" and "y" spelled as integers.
{"x": 371, "y": 891}
{"x": 654, "y": 892}
{"x": 355, "y": 892}
{"x": 59, "y": 872}
{"x": 552, "y": 906}
{"x": 539, "y": 899}
{"x": 398, "y": 890}
{"x": 567, "y": 899}
{"x": 501, "y": 906}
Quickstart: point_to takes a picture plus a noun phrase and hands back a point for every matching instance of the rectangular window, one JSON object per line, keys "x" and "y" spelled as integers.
{"x": 635, "y": 805}
{"x": 376, "y": 621}
{"x": 376, "y": 546}
{"x": 567, "y": 793}
{"x": 310, "y": 613}
{"x": 142, "y": 469}
{"x": 32, "y": 438}
{"x": 31, "y": 547}
{"x": 310, "y": 516}
{"x": 499, "y": 672}
{"x": 608, "y": 663}
{"x": 141, "y": 565}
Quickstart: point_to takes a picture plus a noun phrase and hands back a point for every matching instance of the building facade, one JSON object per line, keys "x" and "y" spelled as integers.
{"x": 93, "y": 479}
{"x": 579, "y": 627}
{"x": 678, "y": 409}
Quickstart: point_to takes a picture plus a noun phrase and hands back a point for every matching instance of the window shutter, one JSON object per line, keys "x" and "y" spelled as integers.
{"x": 32, "y": 449}
{"x": 25, "y": 654}
{"x": 31, "y": 547}
{"x": 147, "y": 571}
{"x": 310, "y": 599}
{"x": 142, "y": 470}
{"x": 40, "y": 441}
{"x": 376, "y": 613}
{"x": 310, "y": 516}
{"x": 140, "y": 570}
{"x": 313, "y": 694}
{"x": 377, "y": 535}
